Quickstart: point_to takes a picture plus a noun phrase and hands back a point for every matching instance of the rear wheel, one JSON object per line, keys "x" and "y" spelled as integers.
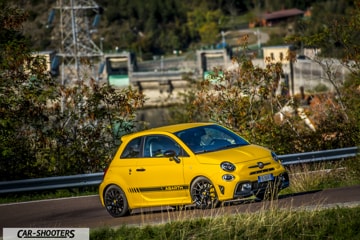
{"x": 203, "y": 193}
{"x": 115, "y": 201}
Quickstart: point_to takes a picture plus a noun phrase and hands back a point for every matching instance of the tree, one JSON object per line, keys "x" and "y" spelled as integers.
{"x": 244, "y": 99}
{"x": 338, "y": 38}
{"x": 46, "y": 128}
{"x": 83, "y": 135}
{"x": 25, "y": 89}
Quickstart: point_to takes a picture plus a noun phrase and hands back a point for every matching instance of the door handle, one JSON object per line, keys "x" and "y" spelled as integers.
{"x": 140, "y": 169}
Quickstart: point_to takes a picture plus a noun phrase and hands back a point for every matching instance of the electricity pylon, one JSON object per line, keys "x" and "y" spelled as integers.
{"x": 77, "y": 50}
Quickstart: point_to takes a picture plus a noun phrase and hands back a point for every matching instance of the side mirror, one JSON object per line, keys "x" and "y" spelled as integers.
{"x": 172, "y": 155}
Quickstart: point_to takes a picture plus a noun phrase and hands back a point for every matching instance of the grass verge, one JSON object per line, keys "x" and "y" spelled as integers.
{"x": 336, "y": 223}
{"x": 323, "y": 175}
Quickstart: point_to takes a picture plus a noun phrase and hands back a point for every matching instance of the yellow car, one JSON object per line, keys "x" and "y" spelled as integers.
{"x": 191, "y": 163}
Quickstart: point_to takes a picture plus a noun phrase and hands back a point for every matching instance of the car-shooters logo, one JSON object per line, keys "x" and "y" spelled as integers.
{"x": 45, "y": 233}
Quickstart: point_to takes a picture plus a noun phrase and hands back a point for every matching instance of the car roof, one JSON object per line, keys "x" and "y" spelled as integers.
{"x": 178, "y": 127}
{"x": 168, "y": 128}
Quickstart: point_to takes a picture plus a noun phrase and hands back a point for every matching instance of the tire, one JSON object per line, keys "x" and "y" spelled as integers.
{"x": 115, "y": 202}
{"x": 203, "y": 193}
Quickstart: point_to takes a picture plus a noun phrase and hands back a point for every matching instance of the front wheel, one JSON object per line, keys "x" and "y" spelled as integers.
{"x": 203, "y": 193}
{"x": 115, "y": 201}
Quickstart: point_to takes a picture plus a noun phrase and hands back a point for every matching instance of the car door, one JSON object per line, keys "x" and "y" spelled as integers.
{"x": 161, "y": 178}
{"x": 125, "y": 169}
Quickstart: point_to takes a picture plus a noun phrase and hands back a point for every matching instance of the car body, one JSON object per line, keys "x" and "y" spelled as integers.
{"x": 190, "y": 163}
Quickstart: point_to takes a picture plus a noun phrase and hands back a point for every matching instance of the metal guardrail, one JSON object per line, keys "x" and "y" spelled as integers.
{"x": 51, "y": 183}
{"x": 94, "y": 179}
{"x": 318, "y": 156}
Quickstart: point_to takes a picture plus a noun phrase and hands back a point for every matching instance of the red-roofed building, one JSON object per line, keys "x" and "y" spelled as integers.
{"x": 270, "y": 19}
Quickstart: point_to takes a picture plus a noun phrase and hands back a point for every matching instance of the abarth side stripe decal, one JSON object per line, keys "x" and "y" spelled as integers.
{"x": 159, "y": 189}
{"x": 134, "y": 190}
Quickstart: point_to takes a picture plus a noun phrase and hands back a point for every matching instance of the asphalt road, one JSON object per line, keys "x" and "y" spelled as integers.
{"x": 88, "y": 212}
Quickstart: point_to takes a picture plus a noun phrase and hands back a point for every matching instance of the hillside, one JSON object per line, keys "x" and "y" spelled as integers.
{"x": 159, "y": 27}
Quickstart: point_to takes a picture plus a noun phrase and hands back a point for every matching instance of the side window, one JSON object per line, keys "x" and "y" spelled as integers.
{"x": 157, "y": 145}
{"x": 132, "y": 150}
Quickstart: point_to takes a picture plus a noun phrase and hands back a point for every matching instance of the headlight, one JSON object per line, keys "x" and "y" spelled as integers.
{"x": 275, "y": 157}
{"x": 227, "y": 166}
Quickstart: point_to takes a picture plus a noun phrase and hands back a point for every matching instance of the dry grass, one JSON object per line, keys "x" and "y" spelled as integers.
{"x": 322, "y": 175}
{"x": 272, "y": 223}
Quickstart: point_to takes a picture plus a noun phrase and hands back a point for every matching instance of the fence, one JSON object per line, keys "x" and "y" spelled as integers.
{"x": 94, "y": 179}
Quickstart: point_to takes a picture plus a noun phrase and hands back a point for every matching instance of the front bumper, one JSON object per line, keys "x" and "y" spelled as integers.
{"x": 248, "y": 188}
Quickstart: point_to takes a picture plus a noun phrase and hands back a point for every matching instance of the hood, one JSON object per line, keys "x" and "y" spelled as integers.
{"x": 235, "y": 155}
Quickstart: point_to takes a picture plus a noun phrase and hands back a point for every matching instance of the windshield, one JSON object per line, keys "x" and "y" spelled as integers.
{"x": 210, "y": 138}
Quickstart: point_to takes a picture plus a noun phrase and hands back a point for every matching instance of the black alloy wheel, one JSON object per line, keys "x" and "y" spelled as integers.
{"x": 203, "y": 193}
{"x": 115, "y": 202}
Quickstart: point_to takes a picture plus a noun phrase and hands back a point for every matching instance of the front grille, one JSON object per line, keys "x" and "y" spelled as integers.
{"x": 262, "y": 171}
{"x": 257, "y": 165}
{"x": 257, "y": 186}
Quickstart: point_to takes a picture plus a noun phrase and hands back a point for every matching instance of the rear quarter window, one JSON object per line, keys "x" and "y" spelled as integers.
{"x": 132, "y": 149}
